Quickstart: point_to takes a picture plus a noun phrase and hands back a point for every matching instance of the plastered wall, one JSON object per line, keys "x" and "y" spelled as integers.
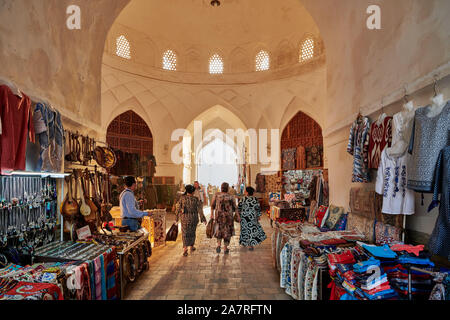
{"x": 48, "y": 61}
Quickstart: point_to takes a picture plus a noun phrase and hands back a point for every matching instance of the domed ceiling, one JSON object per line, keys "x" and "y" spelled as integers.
{"x": 195, "y": 30}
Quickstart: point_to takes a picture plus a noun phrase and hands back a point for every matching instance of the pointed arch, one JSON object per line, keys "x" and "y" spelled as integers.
{"x": 128, "y": 132}
{"x": 304, "y": 131}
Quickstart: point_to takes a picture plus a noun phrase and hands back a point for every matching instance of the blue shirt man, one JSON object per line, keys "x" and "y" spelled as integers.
{"x": 128, "y": 206}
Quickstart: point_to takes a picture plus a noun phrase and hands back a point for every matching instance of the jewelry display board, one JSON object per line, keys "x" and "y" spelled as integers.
{"x": 28, "y": 212}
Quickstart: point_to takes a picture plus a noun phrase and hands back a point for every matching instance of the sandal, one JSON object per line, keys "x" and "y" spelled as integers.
{"x": 218, "y": 249}
{"x": 227, "y": 251}
{"x": 193, "y": 248}
{"x": 185, "y": 253}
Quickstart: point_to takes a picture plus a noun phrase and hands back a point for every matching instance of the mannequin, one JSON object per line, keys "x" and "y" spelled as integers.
{"x": 401, "y": 130}
{"x": 437, "y": 105}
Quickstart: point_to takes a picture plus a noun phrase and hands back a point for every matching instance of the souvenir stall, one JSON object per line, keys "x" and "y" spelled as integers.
{"x": 29, "y": 189}
{"x": 301, "y": 191}
{"x": 57, "y": 179}
{"x": 327, "y": 257}
{"x": 364, "y": 252}
{"x": 132, "y": 141}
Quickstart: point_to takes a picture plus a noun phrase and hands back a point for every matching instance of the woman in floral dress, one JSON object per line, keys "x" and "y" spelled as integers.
{"x": 189, "y": 208}
{"x": 223, "y": 208}
{"x": 250, "y": 212}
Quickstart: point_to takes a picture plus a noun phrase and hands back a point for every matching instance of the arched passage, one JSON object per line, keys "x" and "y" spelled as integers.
{"x": 217, "y": 163}
{"x": 216, "y": 123}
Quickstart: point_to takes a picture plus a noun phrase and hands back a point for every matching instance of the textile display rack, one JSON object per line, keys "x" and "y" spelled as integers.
{"x": 302, "y": 252}
{"x": 299, "y": 252}
{"x": 66, "y": 271}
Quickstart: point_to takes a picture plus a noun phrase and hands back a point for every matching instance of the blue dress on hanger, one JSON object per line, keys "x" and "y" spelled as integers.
{"x": 439, "y": 243}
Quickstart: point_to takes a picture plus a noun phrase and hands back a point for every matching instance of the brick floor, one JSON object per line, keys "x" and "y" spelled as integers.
{"x": 206, "y": 275}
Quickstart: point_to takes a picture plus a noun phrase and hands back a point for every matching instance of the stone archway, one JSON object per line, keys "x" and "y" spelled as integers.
{"x": 214, "y": 124}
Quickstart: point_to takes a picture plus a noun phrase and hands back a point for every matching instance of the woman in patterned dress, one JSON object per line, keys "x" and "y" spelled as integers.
{"x": 189, "y": 208}
{"x": 250, "y": 213}
{"x": 222, "y": 209}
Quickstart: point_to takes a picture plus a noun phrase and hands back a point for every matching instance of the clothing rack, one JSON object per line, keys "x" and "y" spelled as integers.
{"x": 437, "y": 74}
{"x": 432, "y": 273}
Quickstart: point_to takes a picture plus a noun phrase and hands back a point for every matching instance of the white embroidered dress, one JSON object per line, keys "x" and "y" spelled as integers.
{"x": 391, "y": 183}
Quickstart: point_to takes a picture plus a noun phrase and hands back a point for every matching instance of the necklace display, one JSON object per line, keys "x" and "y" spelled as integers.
{"x": 70, "y": 251}
{"x": 28, "y": 212}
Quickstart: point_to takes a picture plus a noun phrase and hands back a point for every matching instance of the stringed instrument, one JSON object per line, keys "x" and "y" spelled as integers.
{"x": 96, "y": 198}
{"x": 78, "y": 149}
{"x": 69, "y": 156}
{"x": 92, "y": 217}
{"x": 108, "y": 197}
{"x": 85, "y": 210}
{"x": 105, "y": 205}
{"x": 69, "y": 207}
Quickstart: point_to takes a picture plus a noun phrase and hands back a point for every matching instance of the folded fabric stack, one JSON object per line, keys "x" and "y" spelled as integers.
{"x": 36, "y": 282}
{"x": 340, "y": 269}
{"x": 421, "y": 283}
{"x": 77, "y": 280}
{"x": 40, "y": 272}
{"x": 375, "y": 285}
{"x": 356, "y": 275}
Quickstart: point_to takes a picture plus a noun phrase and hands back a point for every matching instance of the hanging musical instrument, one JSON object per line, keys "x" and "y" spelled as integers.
{"x": 85, "y": 210}
{"x": 92, "y": 217}
{"x": 70, "y": 206}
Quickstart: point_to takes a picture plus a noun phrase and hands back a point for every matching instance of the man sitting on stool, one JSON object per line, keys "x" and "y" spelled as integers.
{"x": 128, "y": 206}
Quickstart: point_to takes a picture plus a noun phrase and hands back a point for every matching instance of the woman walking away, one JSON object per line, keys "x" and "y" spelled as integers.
{"x": 222, "y": 209}
{"x": 189, "y": 208}
{"x": 250, "y": 212}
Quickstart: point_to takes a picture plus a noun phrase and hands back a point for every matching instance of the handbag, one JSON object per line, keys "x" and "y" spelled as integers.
{"x": 172, "y": 234}
{"x": 210, "y": 227}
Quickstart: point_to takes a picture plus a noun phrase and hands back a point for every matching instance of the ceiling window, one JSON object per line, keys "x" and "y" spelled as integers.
{"x": 123, "y": 47}
{"x": 215, "y": 64}
{"x": 307, "y": 50}
{"x": 262, "y": 61}
{"x": 170, "y": 60}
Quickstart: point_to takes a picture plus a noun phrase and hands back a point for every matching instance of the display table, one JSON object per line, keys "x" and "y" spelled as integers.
{"x": 155, "y": 225}
{"x": 85, "y": 259}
